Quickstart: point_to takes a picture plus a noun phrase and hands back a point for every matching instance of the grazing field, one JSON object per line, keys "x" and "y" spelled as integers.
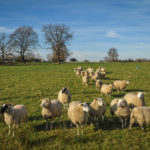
{"x": 28, "y": 84}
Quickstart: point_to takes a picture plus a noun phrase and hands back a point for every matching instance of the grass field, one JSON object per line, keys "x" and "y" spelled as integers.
{"x": 28, "y": 84}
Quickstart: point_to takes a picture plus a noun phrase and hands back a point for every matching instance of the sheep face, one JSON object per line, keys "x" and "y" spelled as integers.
{"x": 64, "y": 90}
{"x": 100, "y": 101}
{"x": 4, "y": 108}
{"x": 85, "y": 107}
{"x": 45, "y": 102}
{"x": 140, "y": 95}
{"x": 122, "y": 103}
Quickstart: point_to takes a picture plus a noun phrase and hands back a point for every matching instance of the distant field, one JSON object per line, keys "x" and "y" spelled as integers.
{"x": 28, "y": 84}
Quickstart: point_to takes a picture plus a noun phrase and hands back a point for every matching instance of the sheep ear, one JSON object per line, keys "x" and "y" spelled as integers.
{"x": 81, "y": 104}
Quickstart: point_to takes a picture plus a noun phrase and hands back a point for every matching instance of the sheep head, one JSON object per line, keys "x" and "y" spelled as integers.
{"x": 99, "y": 101}
{"x": 4, "y": 108}
{"x": 122, "y": 103}
{"x": 64, "y": 90}
{"x": 85, "y": 107}
{"x": 45, "y": 102}
{"x": 140, "y": 95}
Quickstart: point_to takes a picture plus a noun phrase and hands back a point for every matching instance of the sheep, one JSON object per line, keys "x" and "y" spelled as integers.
{"x": 86, "y": 73}
{"x": 85, "y": 80}
{"x": 50, "y": 110}
{"x": 96, "y": 76}
{"x": 89, "y": 69}
{"x": 14, "y": 115}
{"x": 78, "y": 72}
{"x": 141, "y": 115}
{"x": 135, "y": 99}
{"x": 97, "y": 109}
{"x": 64, "y": 96}
{"x": 82, "y": 73}
{"x": 91, "y": 74}
{"x": 120, "y": 85}
{"x": 106, "y": 89}
{"x": 102, "y": 74}
{"x": 102, "y": 69}
{"x": 99, "y": 84}
{"x": 80, "y": 68}
{"x": 75, "y": 70}
{"x": 78, "y": 113}
{"x": 121, "y": 109}
{"x": 98, "y": 70}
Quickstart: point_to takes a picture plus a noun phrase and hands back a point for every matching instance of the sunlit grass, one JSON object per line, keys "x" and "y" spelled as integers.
{"x": 29, "y": 83}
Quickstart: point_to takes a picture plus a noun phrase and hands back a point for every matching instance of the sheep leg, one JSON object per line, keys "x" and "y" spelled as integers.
{"x": 141, "y": 125}
{"x": 125, "y": 124}
{"x": 122, "y": 122}
{"x": 51, "y": 125}
{"x": 103, "y": 117}
{"x": 82, "y": 129}
{"x": 132, "y": 120}
{"x": 46, "y": 128}
{"x": 70, "y": 124}
{"x": 77, "y": 129}
{"x": 9, "y": 130}
{"x": 13, "y": 130}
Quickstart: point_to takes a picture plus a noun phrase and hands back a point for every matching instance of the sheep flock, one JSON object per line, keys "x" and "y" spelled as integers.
{"x": 128, "y": 109}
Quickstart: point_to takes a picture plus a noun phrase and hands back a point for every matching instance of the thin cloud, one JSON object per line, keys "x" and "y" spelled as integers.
{"x": 112, "y": 34}
{"x": 5, "y": 30}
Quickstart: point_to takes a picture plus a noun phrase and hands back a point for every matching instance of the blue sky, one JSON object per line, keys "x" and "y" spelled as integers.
{"x": 97, "y": 24}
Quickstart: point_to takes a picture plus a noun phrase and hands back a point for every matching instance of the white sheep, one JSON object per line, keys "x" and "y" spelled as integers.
{"x": 91, "y": 74}
{"x": 80, "y": 68}
{"x": 78, "y": 113}
{"x": 50, "y": 110}
{"x": 97, "y": 109}
{"x": 96, "y": 76}
{"x": 102, "y": 69}
{"x": 141, "y": 115}
{"x": 120, "y": 84}
{"x": 135, "y": 99}
{"x": 78, "y": 72}
{"x": 102, "y": 74}
{"x": 98, "y": 84}
{"x": 64, "y": 96}
{"x": 106, "y": 89}
{"x": 82, "y": 73}
{"x": 86, "y": 73}
{"x": 121, "y": 109}
{"x": 89, "y": 69}
{"x": 85, "y": 80}
{"x": 14, "y": 115}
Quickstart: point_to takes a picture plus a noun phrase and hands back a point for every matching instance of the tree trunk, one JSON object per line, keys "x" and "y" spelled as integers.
{"x": 22, "y": 59}
{"x": 3, "y": 58}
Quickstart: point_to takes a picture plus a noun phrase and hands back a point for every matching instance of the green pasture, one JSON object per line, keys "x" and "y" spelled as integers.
{"x": 27, "y": 84}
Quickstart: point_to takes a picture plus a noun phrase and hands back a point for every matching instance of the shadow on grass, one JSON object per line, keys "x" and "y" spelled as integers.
{"x": 118, "y": 95}
{"x": 108, "y": 124}
{"x": 56, "y": 125}
{"x": 135, "y": 90}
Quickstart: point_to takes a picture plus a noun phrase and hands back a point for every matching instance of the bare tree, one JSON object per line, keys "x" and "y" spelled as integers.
{"x": 22, "y": 40}
{"x": 4, "y": 45}
{"x": 58, "y": 37}
{"x": 112, "y": 55}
